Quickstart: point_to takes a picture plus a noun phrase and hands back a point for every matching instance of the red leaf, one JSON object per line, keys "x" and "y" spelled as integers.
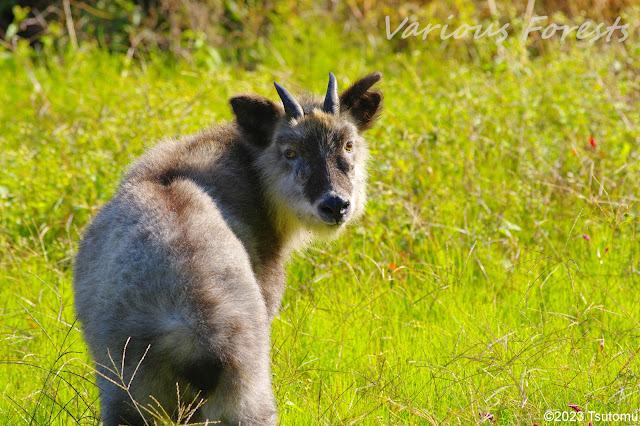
{"x": 592, "y": 141}
{"x": 488, "y": 416}
{"x": 575, "y": 407}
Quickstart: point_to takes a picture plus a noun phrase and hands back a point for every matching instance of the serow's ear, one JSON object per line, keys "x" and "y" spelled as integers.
{"x": 256, "y": 115}
{"x": 363, "y": 105}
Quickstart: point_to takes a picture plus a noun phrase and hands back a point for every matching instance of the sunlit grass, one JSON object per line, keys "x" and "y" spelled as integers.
{"x": 496, "y": 269}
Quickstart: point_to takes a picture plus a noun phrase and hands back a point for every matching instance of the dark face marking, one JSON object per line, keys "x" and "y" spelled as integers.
{"x": 315, "y": 170}
{"x": 321, "y": 162}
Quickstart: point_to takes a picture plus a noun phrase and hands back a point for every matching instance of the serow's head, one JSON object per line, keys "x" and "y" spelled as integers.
{"x": 310, "y": 153}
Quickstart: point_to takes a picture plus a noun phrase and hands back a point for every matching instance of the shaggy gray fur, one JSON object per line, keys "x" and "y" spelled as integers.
{"x": 179, "y": 276}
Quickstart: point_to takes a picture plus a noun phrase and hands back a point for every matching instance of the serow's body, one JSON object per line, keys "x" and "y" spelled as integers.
{"x": 179, "y": 276}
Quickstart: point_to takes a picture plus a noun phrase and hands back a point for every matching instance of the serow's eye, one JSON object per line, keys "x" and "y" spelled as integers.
{"x": 289, "y": 153}
{"x": 349, "y": 146}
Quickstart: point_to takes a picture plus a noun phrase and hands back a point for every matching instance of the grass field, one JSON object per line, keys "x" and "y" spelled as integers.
{"x": 496, "y": 271}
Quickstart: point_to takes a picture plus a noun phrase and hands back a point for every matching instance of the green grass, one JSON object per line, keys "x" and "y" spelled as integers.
{"x": 496, "y": 270}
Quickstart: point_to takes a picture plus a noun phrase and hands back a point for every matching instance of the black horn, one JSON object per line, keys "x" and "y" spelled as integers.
{"x": 291, "y": 106}
{"x": 331, "y": 100}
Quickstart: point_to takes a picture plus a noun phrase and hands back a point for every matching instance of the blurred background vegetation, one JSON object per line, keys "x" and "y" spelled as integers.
{"x": 495, "y": 272}
{"x": 239, "y": 31}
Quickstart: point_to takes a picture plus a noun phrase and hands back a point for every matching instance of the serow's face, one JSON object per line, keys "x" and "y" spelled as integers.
{"x": 312, "y": 159}
{"x": 321, "y": 170}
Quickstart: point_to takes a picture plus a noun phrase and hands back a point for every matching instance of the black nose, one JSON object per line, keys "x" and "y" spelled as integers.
{"x": 334, "y": 209}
